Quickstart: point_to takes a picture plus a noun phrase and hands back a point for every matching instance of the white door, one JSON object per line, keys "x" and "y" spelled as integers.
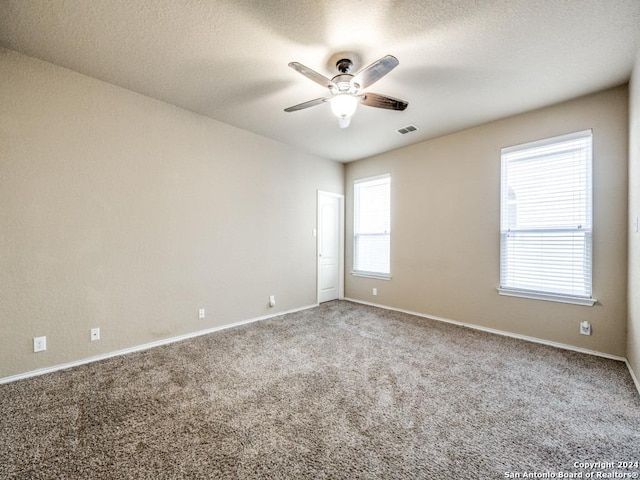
{"x": 330, "y": 246}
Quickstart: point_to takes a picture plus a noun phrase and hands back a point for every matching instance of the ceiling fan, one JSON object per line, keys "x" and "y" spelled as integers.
{"x": 347, "y": 89}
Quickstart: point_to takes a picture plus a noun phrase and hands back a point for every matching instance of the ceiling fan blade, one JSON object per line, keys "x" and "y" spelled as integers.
{"x": 375, "y": 71}
{"x": 383, "y": 101}
{"x": 312, "y": 75}
{"x": 303, "y": 105}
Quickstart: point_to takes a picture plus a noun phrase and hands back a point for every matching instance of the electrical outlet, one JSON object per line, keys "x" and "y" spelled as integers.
{"x": 201, "y": 314}
{"x": 272, "y": 301}
{"x": 95, "y": 334}
{"x": 39, "y": 344}
{"x": 375, "y": 292}
{"x": 585, "y": 328}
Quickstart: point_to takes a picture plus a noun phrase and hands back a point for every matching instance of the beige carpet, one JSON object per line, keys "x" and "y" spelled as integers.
{"x": 339, "y": 391}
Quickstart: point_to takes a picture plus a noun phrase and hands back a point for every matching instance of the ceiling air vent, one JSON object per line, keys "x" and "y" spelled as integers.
{"x": 407, "y": 129}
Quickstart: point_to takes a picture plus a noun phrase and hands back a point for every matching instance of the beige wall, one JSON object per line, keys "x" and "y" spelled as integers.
{"x": 445, "y": 226}
{"x": 633, "y": 327}
{"x": 121, "y": 212}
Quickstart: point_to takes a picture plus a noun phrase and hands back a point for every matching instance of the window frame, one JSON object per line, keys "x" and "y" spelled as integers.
{"x": 356, "y": 234}
{"x": 585, "y": 230}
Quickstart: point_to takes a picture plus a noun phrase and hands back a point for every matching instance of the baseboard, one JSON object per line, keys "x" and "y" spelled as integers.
{"x": 504, "y": 333}
{"x": 166, "y": 341}
{"x": 633, "y": 376}
{"x": 146, "y": 346}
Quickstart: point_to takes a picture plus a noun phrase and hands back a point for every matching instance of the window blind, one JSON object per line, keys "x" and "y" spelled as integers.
{"x": 546, "y": 219}
{"x": 372, "y": 226}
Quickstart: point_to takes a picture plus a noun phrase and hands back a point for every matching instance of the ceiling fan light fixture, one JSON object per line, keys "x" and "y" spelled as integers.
{"x": 343, "y": 105}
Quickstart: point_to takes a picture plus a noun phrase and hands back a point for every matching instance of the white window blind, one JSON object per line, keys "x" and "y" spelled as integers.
{"x": 546, "y": 219}
{"x": 372, "y": 226}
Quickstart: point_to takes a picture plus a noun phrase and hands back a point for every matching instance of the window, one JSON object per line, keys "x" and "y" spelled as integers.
{"x": 372, "y": 227}
{"x": 546, "y": 219}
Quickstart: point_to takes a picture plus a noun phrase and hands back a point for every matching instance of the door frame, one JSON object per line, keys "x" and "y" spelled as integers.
{"x": 340, "y": 198}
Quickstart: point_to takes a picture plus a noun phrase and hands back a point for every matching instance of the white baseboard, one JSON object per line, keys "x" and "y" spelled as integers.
{"x": 504, "y": 333}
{"x": 633, "y": 375}
{"x": 146, "y": 346}
{"x": 179, "y": 338}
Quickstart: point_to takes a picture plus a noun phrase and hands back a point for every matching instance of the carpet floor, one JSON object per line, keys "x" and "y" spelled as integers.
{"x": 339, "y": 391}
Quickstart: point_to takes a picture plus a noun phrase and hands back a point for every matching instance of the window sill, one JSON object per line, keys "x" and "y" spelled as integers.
{"x": 587, "y": 302}
{"x": 378, "y": 276}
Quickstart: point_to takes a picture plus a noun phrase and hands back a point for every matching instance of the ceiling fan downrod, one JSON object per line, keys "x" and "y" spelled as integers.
{"x": 344, "y": 65}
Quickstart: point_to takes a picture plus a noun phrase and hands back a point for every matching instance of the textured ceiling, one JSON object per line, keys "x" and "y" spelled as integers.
{"x": 462, "y": 62}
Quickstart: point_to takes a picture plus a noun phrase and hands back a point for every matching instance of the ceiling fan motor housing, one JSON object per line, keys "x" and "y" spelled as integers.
{"x": 343, "y": 82}
{"x": 343, "y": 79}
